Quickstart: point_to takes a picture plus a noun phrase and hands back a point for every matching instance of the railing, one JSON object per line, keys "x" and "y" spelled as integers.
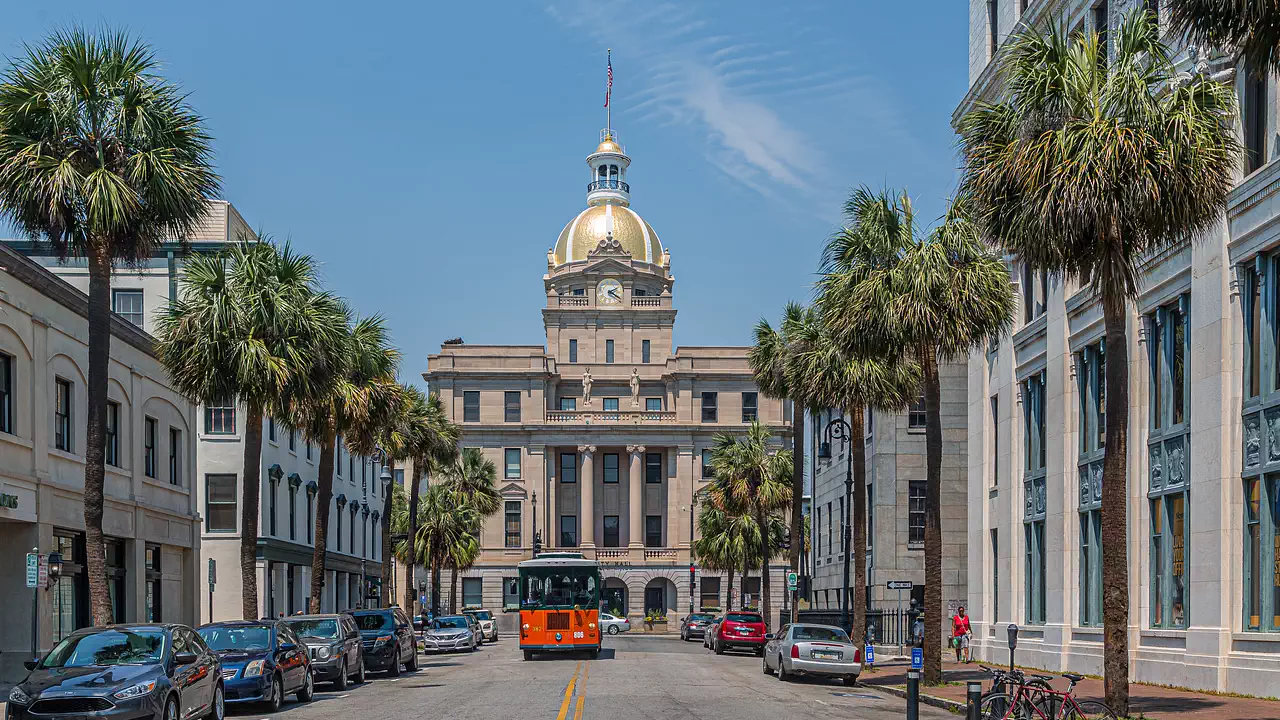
{"x": 646, "y": 301}
{"x": 884, "y": 627}
{"x": 573, "y": 301}
{"x": 608, "y": 185}
{"x": 660, "y": 555}
{"x": 611, "y": 416}
{"x": 612, "y": 555}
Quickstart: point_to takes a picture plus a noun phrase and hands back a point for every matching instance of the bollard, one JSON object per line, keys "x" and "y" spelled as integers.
{"x": 913, "y": 695}
{"x": 974, "y": 700}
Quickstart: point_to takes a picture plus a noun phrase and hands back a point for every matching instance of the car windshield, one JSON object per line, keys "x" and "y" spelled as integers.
{"x": 109, "y": 647}
{"x": 697, "y": 617}
{"x": 826, "y": 634}
{"x": 483, "y": 615}
{"x": 242, "y": 639}
{"x": 449, "y": 623}
{"x": 743, "y": 618}
{"x": 320, "y": 629}
{"x": 375, "y": 621}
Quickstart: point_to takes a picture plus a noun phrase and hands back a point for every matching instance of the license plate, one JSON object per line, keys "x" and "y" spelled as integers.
{"x": 825, "y": 655}
{"x": 744, "y": 631}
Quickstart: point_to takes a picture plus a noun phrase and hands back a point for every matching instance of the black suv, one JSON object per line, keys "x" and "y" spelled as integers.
{"x": 388, "y": 640}
{"x": 333, "y": 642}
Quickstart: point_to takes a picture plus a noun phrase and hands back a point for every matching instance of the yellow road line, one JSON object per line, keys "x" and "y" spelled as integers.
{"x": 568, "y": 692}
{"x": 582, "y": 693}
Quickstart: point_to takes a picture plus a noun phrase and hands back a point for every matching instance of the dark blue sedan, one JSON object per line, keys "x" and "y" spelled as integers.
{"x": 262, "y": 661}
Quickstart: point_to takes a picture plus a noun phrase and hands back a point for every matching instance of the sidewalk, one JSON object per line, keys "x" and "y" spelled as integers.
{"x": 1149, "y": 701}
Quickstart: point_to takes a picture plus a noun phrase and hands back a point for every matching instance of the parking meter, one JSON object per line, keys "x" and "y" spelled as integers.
{"x": 914, "y": 621}
{"x": 1013, "y": 643}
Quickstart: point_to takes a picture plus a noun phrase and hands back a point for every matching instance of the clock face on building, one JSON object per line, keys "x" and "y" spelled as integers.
{"x": 609, "y": 292}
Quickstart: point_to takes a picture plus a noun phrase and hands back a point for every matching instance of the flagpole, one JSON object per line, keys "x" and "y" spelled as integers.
{"x": 608, "y": 110}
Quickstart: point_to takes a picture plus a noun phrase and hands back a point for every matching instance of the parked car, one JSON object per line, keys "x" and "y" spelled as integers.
{"x": 695, "y": 625}
{"x": 807, "y": 649}
{"x": 448, "y": 633}
{"x": 333, "y": 645}
{"x": 613, "y": 624}
{"x": 122, "y": 671}
{"x": 388, "y": 640}
{"x": 488, "y": 625}
{"x": 739, "y": 629}
{"x": 710, "y": 631}
{"x": 262, "y": 661}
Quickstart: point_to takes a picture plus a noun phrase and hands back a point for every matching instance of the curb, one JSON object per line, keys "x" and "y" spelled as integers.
{"x": 949, "y": 705}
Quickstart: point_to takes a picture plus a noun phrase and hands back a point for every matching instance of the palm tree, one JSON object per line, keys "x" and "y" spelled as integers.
{"x": 752, "y": 479}
{"x": 718, "y": 547}
{"x": 445, "y": 521}
{"x": 474, "y": 477}
{"x": 432, "y": 440}
{"x": 827, "y": 376}
{"x": 243, "y": 326}
{"x": 102, "y": 158}
{"x": 1086, "y": 168}
{"x": 353, "y": 392}
{"x": 768, "y": 358}
{"x": 1252, "y": 27}
{"x": 936, "y": 297}
{"x": 461, "y": 556}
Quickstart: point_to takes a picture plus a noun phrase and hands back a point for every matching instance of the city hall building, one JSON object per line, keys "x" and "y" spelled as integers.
{"x": 1203, "y": 459}
{"x": 603, "y": 436}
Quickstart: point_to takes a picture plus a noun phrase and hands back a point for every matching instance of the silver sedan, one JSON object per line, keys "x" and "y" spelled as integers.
{"x": 613, "y": 624}
{"x": 807, "y": 649}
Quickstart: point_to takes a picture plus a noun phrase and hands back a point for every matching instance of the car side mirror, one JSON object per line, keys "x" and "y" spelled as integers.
{"x": 288, "y": 647}
{"x": 31, "y": 664}
{"x": 185, "y": 657}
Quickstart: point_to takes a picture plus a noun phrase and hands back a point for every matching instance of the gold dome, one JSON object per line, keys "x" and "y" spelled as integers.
{"x": 591, "y": 226}
{"x": 608, "y": 146}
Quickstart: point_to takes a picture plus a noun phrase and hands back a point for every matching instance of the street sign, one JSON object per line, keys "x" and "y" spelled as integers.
{"x": 917, "y": 658}
{"x": 213, "y": 571}
{"x": 33, "y": 569}
{"x": 792, "y": 581}
{"x": 870, "y": 655}
{"x": 899, "y": 584}
{"x": 42, "y": 572}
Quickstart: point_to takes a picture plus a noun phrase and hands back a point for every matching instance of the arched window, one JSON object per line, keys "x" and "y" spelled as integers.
{"x": 604, "y": 171}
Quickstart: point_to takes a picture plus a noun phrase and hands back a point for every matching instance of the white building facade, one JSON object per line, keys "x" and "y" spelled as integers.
{"x": 1204, "y": 433}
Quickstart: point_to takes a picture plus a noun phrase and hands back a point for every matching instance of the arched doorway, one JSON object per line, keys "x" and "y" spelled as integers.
{"x": 660, "y": 596}
{"x": 613, "y": 599}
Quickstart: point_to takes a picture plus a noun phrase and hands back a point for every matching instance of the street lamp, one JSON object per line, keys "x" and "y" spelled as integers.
{"x": 693, "y": 511}
{"x": 536, "y": 545}
{"x": 839, "y": 430}
{"x": 55, "y": 568}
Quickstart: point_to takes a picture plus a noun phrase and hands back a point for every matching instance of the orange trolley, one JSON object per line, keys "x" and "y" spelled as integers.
{"x": 559, "y": 604}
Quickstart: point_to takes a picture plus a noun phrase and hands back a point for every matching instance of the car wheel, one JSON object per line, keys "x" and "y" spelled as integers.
{"x": 850, "y": 680}
{"x": 412, "y": 665}
{"x": 308, "y": 689}
{"x": 171, "y": 708}
{"x": 344, "y": 680}
{"x": 219, "y": 708}
{"x": 782, "y": 671}
{"x": 360, "y": 673}
{"x": 718, "y": 648}
{"x": 764, "y": 666}
{"x": 394, "y": 670}
{"x": 276, "y": 698}
{"x": 613, "y": 629}
{"x": 760, "y": 652}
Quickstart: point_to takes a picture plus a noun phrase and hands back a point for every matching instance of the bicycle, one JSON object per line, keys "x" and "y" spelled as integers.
{"x": 1041, "y": 704}
{"x": 1003, "y": 682}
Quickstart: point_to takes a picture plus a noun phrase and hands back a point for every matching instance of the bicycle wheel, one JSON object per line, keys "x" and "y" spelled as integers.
{"x": 994, "y": 706}
{"x": 1088, "y": 710}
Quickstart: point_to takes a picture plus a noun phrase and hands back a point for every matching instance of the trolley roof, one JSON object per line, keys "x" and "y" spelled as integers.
{"x": 567, "y": 559}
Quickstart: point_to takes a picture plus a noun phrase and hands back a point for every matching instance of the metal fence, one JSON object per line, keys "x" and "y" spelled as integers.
{"x": 884, "y": 626}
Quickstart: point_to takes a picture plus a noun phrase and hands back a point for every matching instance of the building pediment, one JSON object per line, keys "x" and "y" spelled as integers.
{"x": 513, "y": 491}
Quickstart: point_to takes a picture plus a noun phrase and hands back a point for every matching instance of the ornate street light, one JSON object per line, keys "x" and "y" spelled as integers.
{"x": 839, "y": 430}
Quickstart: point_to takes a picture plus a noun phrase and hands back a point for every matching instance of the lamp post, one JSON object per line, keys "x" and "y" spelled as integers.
{"x": 384, "y": 477}
{"x": 534, "y": 498}
{"x": 839, "y": 430}
{"x": 693, "y": 511}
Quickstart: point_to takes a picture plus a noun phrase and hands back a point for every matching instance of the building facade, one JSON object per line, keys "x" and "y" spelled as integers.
{"x": 895, "y": 476}
{"x": 603, "y": 436}
{"x": 1204, "y": 430}
{"x": 151, "y": 510}
{"x": 290, "y": 465}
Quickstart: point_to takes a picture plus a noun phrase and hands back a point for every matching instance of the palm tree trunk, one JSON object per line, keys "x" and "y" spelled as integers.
{"x": 409, "y": 590}
{"x": 387, "y": 568}
{"x": 765, "y": 553}
{"x": 95, "y": 432}
{"x": 858, "y": 447}
{"x": 1114, "y": 521}
{"x": 728, "y": 593}
{"x": 797, "y": 499}
{"x": 249, "y": 509}
{"x": 453, "y": 588}
{"x": 324, "y": 497}
{"x": 436, "y": 568}
{"x": 932, "y": 518}
{"x": 742, "y": 584}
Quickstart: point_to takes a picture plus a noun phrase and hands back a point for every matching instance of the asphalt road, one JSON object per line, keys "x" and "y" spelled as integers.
{"x": 636, "y": 677}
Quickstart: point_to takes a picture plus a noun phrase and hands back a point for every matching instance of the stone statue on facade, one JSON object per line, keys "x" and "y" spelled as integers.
{"x": 586, "y": 387}
{"x": 635, "y": 387}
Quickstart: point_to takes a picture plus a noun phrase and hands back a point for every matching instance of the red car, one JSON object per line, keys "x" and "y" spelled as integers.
{"x": 739, "y": 630}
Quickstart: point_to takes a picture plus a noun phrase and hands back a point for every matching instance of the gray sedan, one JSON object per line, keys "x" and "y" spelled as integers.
{"x": 449, "y": 633}
{"x": 806, "y": 649}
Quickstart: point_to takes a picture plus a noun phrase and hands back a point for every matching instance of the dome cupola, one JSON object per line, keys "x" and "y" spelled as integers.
{"x": 608, "y": 172}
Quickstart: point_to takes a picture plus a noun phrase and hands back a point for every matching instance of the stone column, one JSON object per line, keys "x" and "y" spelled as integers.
{"x": 635, "y": 497}
{"x": 550, "y": 508}
{"x": 586, "y": 485}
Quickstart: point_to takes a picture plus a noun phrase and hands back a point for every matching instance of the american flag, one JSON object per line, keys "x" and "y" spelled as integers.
{"x": 609, "y": 87}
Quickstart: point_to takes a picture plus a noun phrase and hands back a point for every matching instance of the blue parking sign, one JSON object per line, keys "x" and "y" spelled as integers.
{"x": 917, "y": 658}
{"x": 870, "y": 655}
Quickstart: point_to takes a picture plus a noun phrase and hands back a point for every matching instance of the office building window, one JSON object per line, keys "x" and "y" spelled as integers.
{"x": 1091, "y": 374}
{"x": 568, "y": 468}
{"x": 220, "y": 503}
{"x": 149, "y": 447}
{"x": 573, "y": 351}
{"x": 310, "y": 514}
{"x": 1033, "y": 487}
{"x": 293, "y": 441}
{"x": 511, "y": 406}
{"x": 220, "y": 418}
{"x": 511, "y": 463}
{"x": 1100, "y": 27}
{"x": 611, "y": 531}
{"x": 707, "y": 471}
{"x": 271, "y": 429}
{"x": 308, "y": 448}
{"x": 568, "y": 404}
{"x": 568, "y": 531}
{"x": 1168, "y": 438}
{"x": 128, "y": 305}
{"x": 471, "y": 406}
{"x": 1262, "y": 554}
{"x": 273, "y": 488}
{"x": 472, "y": 592}
{"x": 1033, "y": 302}
{"x": 62, "y": 415}
{"x": 1033, "y": 543}
{"x": 608, "y": 351}
{"x": 653, "y": 404}
{"x": 611, "y": 468}
{"x": 995, "y": 440}
{"x": 995, "y": 575}
{"x": 175, "y": 456}
{"x": 6, "y": 393}
{"x": 993, "y": 28}
{"x": 154, "y": 608}
{"x": 611, "y": 404}
{"x": 750, "y": 407}
{"x": 830, "y": 523}
{"x": 709, "y": 402}
{"x": 653, "y": 531}
{"x": 916, "y": 416}
{"x": 1253, "y": 111}
{"x": 111, "y": 444}
{"x": 653, "y": 468}
{"x": 916, "y": 500}
{"x": 512, "y": 524}
{"x": 644, "y": 351}
{"x": 293, "y": 512}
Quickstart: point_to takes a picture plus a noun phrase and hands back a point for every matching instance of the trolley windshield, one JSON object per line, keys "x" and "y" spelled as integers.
{"x": 559, "y": 587}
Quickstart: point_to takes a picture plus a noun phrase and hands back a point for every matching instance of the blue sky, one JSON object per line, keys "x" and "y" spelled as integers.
{"x": 428, "y": 154}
